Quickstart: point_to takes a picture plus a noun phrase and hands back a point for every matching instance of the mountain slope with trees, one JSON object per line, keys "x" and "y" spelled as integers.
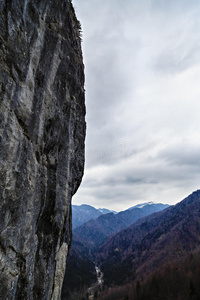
{"x": 156, "y": 242}
{"x": 80, "y": 271}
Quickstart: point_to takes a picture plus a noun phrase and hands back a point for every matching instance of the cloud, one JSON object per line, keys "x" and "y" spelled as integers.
{"x": 142, "y": 64}
{"x": 182, "y": 154}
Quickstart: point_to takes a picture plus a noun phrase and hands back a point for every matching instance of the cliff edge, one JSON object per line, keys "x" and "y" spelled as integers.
{"x": 42, "y": 133}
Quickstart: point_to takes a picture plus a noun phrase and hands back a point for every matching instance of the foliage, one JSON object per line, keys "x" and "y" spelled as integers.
{"x": 77, "y": 22}
{"x": 115, "y": 273}
{"x": 80, "y": 274}
{"x": 176, "y": 280}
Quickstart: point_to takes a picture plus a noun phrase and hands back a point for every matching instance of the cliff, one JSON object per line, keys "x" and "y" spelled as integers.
{"x": 42, "y": 133}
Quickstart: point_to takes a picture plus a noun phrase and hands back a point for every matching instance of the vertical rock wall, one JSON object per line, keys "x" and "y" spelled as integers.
{"x": 42, "y": 132}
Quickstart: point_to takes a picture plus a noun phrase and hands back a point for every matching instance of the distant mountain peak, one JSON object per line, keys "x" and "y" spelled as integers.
{"x": 84, "y": 212}
{"x": 141, "y": 205}
{"x": 106, "y": 211}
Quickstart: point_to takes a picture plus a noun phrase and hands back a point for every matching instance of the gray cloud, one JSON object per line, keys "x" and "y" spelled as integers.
{"x": 179, "y": 59}
{"x": 183, "y": 155}
{"x": 142, "y": 66}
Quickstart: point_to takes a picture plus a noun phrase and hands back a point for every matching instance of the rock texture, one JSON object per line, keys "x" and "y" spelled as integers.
{"x": 42, "y": 132}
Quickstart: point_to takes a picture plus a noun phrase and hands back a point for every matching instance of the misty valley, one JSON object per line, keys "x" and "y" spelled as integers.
{"x": 150, "y": 251}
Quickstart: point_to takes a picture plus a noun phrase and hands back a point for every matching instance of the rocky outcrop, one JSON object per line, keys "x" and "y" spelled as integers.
{"x": 42, "y": 132}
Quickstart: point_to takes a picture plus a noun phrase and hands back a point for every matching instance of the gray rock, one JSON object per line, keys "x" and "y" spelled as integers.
{"x": 42, "y": 133}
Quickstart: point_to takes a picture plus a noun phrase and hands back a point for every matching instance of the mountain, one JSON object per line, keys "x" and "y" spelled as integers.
{"x": 83, "y": 213}
{"x": 106, "y": 211}
{"x": 80, "y": 265}
{"x": 95, "y": 232}
{"x": 159, "y": 206}
{"x": 177, "y": 279}
{"x": 160, "y": 240}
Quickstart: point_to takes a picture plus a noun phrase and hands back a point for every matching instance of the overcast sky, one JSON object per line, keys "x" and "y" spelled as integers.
{"x": 142, "y": 68}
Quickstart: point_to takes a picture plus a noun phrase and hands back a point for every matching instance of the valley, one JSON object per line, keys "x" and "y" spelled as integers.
{"x": 89, "y": 236}
{"x": 139, "y": 253}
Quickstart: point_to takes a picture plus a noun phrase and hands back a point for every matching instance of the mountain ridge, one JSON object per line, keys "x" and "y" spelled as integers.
{"x": 148, "y": 242}
{"x": 84, "y": 212}
{"x": 81, "y": 252}
{"x": 96, "y": 231}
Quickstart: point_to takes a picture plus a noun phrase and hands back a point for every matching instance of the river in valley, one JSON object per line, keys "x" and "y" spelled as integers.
{"x": 97, "y": 287}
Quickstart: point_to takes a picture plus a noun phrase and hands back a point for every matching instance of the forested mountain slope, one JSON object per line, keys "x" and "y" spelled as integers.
{"x": 151, "y": 242}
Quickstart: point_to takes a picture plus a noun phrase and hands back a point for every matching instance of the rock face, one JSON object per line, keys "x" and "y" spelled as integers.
{"x": 42, "y": 133}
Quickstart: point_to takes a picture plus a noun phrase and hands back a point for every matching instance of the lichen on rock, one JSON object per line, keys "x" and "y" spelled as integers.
{"x": 42, "y": 134}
